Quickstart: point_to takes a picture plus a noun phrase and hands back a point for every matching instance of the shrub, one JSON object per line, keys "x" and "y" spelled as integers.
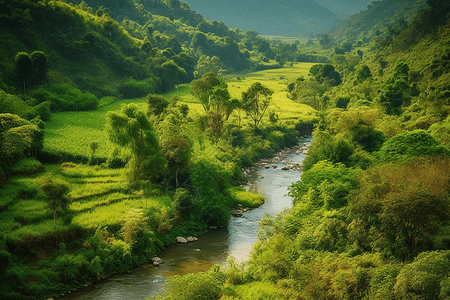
{"x": 324, "y": 184}
{"x": 422, "y": 278}
{"x": 64, "y": 97}
{"x": 133, "y": 223}
{"x": 200, "y": 286}
{"x": 131, "y": 88}
{"x": 404, "y": 146}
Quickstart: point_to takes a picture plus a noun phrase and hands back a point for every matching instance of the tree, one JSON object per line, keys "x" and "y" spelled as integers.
{"x": 39, "y": 61}
{"x": 24, "y": 69}
{"x": 216, "y": 101}
{"x": 156, "y": 104}
{"x": 94, "y": 147}
{"x": 325, "y": 72}
{"x": 175, "y": 143}
{"x": 208, "y": 64}
{"x": 131, "y": 129}
{"x": 57, "y": 193}
{"x": 309, "y": 92}
{"x": 200, "y": 88}
{"x": 326, "y": 41}
{"x": 255, "y": 101}
{"x": 363, "y": 73}
{"x": 133, "y": 223}
{"x": 17, "y": 137}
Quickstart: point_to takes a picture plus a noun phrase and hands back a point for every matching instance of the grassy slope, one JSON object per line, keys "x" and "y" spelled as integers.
{"x": 72, "y": 132}
{"x": 97, "y": 193}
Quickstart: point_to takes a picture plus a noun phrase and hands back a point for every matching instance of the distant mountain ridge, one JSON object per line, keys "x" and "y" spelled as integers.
{"x": 345, "y": 8}
{"x": 285, "y": 17}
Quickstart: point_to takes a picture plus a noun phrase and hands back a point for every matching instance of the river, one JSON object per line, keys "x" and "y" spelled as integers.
{"x": 213, "y": 247}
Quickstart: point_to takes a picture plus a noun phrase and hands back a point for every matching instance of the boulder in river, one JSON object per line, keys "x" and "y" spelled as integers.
{"x": 286, "y": 168}
{"x": 156, "y": 261}
{"x": 181, "y": 240}
{"x": 191, "y": 239}
{"x": 237, "y": 212}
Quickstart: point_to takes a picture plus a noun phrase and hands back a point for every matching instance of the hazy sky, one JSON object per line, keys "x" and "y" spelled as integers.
{"x": 299, "y": 15}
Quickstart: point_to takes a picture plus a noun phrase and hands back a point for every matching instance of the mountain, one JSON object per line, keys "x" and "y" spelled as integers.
{"x": 345, "y": 8}
{"x": 380, "y": 16}
{"x": 268, "y": 17}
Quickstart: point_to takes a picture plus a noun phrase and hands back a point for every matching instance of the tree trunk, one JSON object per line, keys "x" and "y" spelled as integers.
{"x": 24, "y": 90}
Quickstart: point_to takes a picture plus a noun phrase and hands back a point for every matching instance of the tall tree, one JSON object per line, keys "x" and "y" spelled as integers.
{"x": 175, "y": 143}
{"x": 17, "y": 136}
{"x": 216, "y": 101}
{"x": 200, "y": 88}
{"x": 24, "y": 69}
{"x": 131, "y": 129}
{"x": 255, "y": 101}
{"x": 57, "y": 193}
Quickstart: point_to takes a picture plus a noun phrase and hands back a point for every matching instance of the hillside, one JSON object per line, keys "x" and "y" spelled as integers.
{"x": 127, "y": 123}
{"x": 380, "y": 16}
{"x": 268, "y": 17}
{"x": 371, "y": 213}
{"x": 345, "y": 8}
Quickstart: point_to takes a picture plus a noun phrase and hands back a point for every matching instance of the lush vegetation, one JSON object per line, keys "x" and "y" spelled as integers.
{"x": 371, "y": 213}
{"x": 93, "y": 184}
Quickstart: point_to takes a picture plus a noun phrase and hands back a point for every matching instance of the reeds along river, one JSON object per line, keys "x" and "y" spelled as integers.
{"x": 267, "y": 178}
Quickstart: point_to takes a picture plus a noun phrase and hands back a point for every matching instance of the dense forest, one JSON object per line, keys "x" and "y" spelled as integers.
{"x": 127, "y": 123}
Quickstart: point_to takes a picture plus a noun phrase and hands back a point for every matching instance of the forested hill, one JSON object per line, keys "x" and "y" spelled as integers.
{"x": 345, "y": 8}
{"x": 286, "y": 17}
{"x": 379, "y": 16}
{"x": 121, "y": 49}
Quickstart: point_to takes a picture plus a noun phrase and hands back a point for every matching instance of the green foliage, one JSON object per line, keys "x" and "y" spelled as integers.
{"x": 363, "y": 73}
{"x": 131, "y": 88}
{"x": 156, "y": 104}
{"x": 18, "y": 137}
{"x": 201, "y": 88}
{"x": 132, "y": 129}
{"x": 255, "y": 102}
{"x": 324, "y": 185}
{"x": 404, "y": 146}
{"x": 398, "y": 206}
{"x": 424, "y": 278}
{"x": 201, "y": 286}
{"x": 325, "y": 73}
{"x": 328, "y": 147}
{"x": 208, "y": 64}
{"x": 175, "y": 143}
{"x": 368, "y": 137}
{"x": 64, "y": 97}
{"x": 245, "y": 198}
{"x": 134, "y": 223}
{"x": 57, "y": 193}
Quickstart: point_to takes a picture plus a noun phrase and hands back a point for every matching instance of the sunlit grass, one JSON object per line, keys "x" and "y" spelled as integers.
{"x": 114, "y": 213}
{"x": 73, "y": 132}
{"x": 277, "y": 80}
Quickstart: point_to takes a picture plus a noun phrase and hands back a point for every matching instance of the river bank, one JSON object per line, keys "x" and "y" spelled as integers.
{"x": 214, "y": 246}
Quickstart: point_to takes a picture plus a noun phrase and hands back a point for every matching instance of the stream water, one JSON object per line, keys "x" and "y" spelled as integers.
{"x": 213, "y": 247}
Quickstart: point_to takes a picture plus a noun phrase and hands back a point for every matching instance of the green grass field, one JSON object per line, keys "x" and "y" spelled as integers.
{"x": 277, "y": 80}
{"x": 73, "y": 132}
{"x": 99, "y": 195}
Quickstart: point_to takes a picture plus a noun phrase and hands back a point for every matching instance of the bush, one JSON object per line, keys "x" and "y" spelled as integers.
{"x": 324, "y": 184}
{"x": 422, "y": 278}
{"x": 64, "y": 97}
{"x": 200, "y": 286}
{"x": 27, "y": 166}
{"x": 404, "y": 146}
{"x": 130, "y": 88}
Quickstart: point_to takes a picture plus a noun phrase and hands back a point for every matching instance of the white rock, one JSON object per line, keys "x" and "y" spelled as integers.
{"x": 181, "y": 240}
